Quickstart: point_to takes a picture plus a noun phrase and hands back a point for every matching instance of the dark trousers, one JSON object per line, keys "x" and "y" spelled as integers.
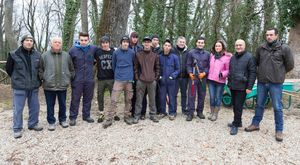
{"x": 86, "y": 90}
{"x": 238, "y": 99}
{"x": 50, "y": 100}
{"x": 200, "y": 91}
{"x": 133, "y": 101}
{"x": 168, "y": 89}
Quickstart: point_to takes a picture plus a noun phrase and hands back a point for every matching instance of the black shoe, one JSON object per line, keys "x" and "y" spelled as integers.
{"x": 154, "y": 119}
{"x": 107, "y": 123}
{"x": 162, "y": 115}
{"x": 231, "y": 124}
{"x": 201, "y": 116}
{"x": 72, "y": 122}
{"x": 143, "y": 117}
{"x": 89, "y": 120}
{"x": 234, "y": 130}
{"x": 37, "y": 127}
{"x": 189, "y": 117}
{"x": 116, "y": 118}
{"x": 101, "y": 118}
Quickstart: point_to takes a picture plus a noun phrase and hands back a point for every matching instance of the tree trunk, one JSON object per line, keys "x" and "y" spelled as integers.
{"x": 2, "y": 54}
{"x": 113, "y": 19}
{"x": 294, "y": 40}
{"x": 10, "y": 41}
{"x": 182, "y": 16}
{"x": 94, "y": 15}
{"x": 84, "y": 15}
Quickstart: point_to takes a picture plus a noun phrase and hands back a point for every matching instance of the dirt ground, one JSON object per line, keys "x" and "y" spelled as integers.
{"x": 166, "y": 142}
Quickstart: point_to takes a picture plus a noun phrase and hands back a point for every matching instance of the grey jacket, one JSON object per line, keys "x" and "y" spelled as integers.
{"x": 56, "y": 70}
{"x": 273, "y": 62}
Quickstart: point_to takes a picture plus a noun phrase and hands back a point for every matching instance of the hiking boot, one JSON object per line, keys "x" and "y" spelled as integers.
{"x": 212, "y": 111}
{"x": 201, "y": 116}
{"x": 231, "y": 125}
{"x": 234, "y": 130}
{"x": 72, "y": 122}
{"x": 172, "y": 117}
{"x": 143, "y": 117}
{"x": 116, "y": 118}
{"x": 189, "y": 117}
{"x": 51, "y": 127}
{"x": 107, "y": 123}
{"x": 128, "y": 120}
{"x": 279, "y": 136}
{"x": 17, "y": 134}
{"x": 101, "y": 118}
{"x": 135, "y": 120}
{"x": 37, "y": 127}
{"x": 64, "y": 124}
{"x": 251, "y": 128}
{"x": 162, "y": 115}
{"x": 88, "y": 119}
{"x": 154, "y": 119}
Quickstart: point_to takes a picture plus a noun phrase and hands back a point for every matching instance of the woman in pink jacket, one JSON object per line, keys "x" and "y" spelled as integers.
{"x": 218, "y": 72}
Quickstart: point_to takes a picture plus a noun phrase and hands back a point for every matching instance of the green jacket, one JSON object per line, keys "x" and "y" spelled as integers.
{"x": 56, "y": 70}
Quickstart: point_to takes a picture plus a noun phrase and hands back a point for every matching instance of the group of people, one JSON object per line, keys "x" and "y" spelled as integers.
{"x": 147, "y": 70}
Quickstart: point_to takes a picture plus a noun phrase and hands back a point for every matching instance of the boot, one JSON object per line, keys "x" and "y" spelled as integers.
{"x": 215, "y": 115}
{"x": 212, "y": 111}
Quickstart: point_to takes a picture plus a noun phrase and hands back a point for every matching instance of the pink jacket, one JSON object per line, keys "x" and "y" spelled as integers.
{"x": 218, "y": 66}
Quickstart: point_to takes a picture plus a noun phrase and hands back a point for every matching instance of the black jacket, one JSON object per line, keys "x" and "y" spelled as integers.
{"x": 182, "y": 56}
{"x": 104, "y": 64}
{"x": 23, "y": 70}
{"x": 242, "y": 72}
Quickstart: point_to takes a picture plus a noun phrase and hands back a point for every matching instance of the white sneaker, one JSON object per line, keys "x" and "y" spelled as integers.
{"x": 64, "y": 124}
{"x": 17, "y": 134}
{"x": 51, "y": 127}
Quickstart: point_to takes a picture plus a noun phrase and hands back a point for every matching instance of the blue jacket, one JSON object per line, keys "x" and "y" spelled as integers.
{"x": 169, "y": 66}
{"x": 122, "y": 63}
{"x": 83, "y": 60}
{"x": 201, "y": 57}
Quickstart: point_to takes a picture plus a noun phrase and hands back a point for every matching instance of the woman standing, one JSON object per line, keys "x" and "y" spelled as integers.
{"x": 218, "y": 72}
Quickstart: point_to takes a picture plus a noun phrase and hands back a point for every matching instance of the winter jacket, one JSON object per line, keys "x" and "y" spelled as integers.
{"x": 217, "y": 66}
{"x": 146, "y": 66}
{"x": 136, "y": 48}
{"x": 273, "y": 62}
{"x": 157, "y": 50}
{"x": 56, "y": 70}
{"x": 242, "y": 72}
{"x": 201, "y": 57}
{"x": 104, "y": 64}
{"x": 169, "y": 67}
{"x": 182, "y": 56}
{"x": 83, "y": 60}
{"x": 122, "y": 64}
{"x": 22, "y": 66}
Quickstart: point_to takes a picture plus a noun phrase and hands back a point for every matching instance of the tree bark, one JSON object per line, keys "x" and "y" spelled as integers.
{"x": 294, "y": 40}
{"x": 84, "y": 15}
{"x": 2, "y": 54}
{"x": 10, "y": 40}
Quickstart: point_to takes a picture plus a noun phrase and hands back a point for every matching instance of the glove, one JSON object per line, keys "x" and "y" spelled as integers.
{"x": 170, "y": 77}
{"x": 160, "y": 77}
{"x": 220, "y": 75}
{"x": 201, "y": 75}
{"x": 192, "y": 76}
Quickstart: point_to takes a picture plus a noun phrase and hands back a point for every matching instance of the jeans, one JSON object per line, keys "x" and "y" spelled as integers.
{"x": 275, "y": 91}
{"x": 182, "y": 84}
{"x": 215, "y": 93}
{"x": 19, "y": 98}
{"x": 238, "y": 100}
{"x": 50, "y": 100}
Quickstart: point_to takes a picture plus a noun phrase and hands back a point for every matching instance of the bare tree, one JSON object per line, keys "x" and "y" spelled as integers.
{"x": 1, "y": 30}
{"x": 84, "y": 15}
{"x": 10, "y": 40}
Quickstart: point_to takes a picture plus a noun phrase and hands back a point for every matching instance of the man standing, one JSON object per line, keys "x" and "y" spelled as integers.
{"x": 181, "y": 51}
{"x": 197, "y": 64}
{"x": 274, "y": 59}
{"x": 22, "y": 66}
{"x": 105, "y": 73}
{"x": 83, "y": 84}
{"x": 122, "y": 65}
{"x": 56, "y": 71}
{"x": 242, "y": 75}
{"x": 146, "y": 70}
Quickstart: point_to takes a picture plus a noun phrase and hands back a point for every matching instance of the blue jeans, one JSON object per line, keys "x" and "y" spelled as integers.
{"x": 167, "y": 88}
{"x": 215, "y": 93}
{"x": 50, "y": 100}
{"x": 275, "y": 91}
{"x": 181, "y": 84}
{"x": 19, "y": 98}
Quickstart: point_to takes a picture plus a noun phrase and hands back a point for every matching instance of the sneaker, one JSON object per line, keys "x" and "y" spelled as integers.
{"x": 64, "y": 124}
{"x": 189, "y": 118}
{"x": 89, "y": 120}
{"x": 231, "y": 125}
{"x": 128, "y": 120}
{"x": 116, "y": 118}
{"x": 251, "y": 128}
{"x": 172, "y": 117}
{"x": 100, "y": 118}
{"x": 17, "y": 134}
{"x": 72, "y": 122}
{"x": 143, "y": 117}
{"x": 234, "y": 130}
{"x": 51, "y": 127}
{"x": 154, "y": 119}
{"x": 135, "y": 120}
{"x": 37, "y": 127}
{"x": 279, "y": 136}
{"x": 162, "y": 115}
{"x": 201, "y": 116}
{"x": 107, "y": 123}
